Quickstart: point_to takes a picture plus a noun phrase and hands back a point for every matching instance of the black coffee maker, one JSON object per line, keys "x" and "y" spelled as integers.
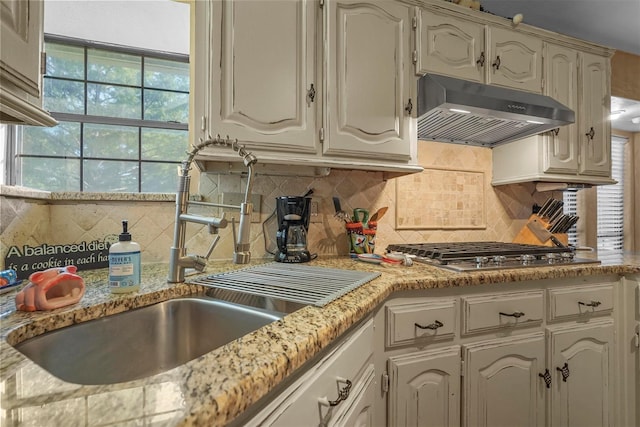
{"x": 293, "y": 222}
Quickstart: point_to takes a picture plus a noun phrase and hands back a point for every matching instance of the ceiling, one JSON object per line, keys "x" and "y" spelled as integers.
{"x": 612, "y": 23}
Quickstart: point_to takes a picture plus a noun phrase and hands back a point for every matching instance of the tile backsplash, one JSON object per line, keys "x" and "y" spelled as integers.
{"x": 462, "y": 172}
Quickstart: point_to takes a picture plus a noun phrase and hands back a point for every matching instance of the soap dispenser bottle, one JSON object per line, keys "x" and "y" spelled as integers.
{"x": 124, "y": 263}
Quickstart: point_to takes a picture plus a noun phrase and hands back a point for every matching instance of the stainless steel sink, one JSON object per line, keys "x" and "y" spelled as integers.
{"x": 143, "y": 342}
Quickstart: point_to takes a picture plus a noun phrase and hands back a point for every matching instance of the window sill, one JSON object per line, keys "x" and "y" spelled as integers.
{"x": 30, "y": 193}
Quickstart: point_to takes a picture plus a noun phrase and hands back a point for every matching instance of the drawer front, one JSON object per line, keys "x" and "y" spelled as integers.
{"x": 580, "y": 301}
{"x": 420, "y": 321}
{"x": 504, "y": 310}
{"x": 306, "y": 401}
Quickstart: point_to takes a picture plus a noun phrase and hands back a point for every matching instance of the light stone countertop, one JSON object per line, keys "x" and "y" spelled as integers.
{"x": 214, "y": 389}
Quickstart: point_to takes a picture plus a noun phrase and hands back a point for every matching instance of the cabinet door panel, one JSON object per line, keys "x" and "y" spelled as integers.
{"x": 20, "y": 40}
{"x": 425, "y": 388}
{"x": 585, "y": 398}
{"x": 449, "y": 46}
{"x": 515, "y": 60}
{"x": 502, "y": 384}
{"x": 561, "y": 77}
{"x": 262, "y": 65}
{"x": 366, "y": 84}
{"x": 595, "y": 147}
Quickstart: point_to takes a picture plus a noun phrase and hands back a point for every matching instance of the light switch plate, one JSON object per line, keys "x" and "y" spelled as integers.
{"x": 230, "y": 198}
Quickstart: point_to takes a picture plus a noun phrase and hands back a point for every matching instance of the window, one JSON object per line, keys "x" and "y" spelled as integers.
{"x": 611, "y": 203}
{"x": 610, "y": 233}
{"x": 123, "y": 120}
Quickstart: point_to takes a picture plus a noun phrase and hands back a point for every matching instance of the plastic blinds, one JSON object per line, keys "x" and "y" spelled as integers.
{"x": 611, "y": 203}
{"x": 570, "y": 199}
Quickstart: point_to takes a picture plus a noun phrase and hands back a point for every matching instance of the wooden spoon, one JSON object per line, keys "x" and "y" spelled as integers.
{"x": 377, "y": 216}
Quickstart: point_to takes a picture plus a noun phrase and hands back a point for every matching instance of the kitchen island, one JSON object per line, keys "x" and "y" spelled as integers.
{"x": 218, "y": 387}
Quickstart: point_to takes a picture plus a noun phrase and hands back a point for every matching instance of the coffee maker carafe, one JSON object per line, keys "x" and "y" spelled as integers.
{"x": 293, "y": 222}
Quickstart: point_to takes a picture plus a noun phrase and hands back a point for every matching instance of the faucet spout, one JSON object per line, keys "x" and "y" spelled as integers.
{"x": 179, "y": 261}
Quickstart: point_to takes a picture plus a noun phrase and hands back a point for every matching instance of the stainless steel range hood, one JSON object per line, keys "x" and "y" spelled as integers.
{"x": 459, "y": 111}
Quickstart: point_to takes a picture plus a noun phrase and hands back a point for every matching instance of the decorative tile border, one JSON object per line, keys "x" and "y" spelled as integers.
{"x": 441, "y": 199}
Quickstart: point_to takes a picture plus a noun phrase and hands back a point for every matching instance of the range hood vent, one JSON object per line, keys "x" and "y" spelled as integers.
{"x": 463, "y": 112}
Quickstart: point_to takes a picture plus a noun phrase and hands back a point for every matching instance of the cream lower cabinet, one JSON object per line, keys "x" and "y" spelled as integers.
{"x": 337, "y": 390}
{"x": 582, "y": 363}
{"x": 501, "y": 382}
{"x": 424, "y": 388}
{"x": 543, "y": 355}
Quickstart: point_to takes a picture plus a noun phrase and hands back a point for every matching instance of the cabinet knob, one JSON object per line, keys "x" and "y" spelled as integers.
{"x": 591, "y": 133}
{"x": 433, "y": 326}
{"x": 564, "y": 370}
{"x": 311, "y": 93}
{"x": 480, "y": 60}
{"x": 409, "y": 107}
{"x": 496, "y": 63}
{"x": 546, "y": 377}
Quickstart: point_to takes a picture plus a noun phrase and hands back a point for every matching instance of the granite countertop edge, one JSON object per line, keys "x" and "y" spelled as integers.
{"x": 222, "y": 384}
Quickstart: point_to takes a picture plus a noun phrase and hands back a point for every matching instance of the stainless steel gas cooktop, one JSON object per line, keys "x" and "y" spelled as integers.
{"x": 480, "y": 256}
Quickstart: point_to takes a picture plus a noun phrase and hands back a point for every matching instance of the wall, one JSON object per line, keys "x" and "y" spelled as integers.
{"x": 161, "y": 25}
{"x": 505, "y": 210}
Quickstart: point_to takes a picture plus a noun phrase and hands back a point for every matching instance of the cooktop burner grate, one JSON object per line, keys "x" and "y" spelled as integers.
{"x": 474, "y": 256}
{"x": 469, "y": 250}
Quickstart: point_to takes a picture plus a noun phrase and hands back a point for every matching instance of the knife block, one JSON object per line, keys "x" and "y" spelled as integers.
{"x": 528, "y": 237}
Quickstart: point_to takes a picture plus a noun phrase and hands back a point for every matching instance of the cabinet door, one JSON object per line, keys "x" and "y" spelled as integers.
{"x": 20, "y": 40}
{"x": 561, "y": 79}
{"x": 595, "y": 128}
{"x": 515, "y": 60}
{"x": 262, "y": 69}
{"x": 584, "y": 398}
{"x": 450, "y": 46}
{"x": 367, "y": 79}
{"x": 424, "y": 388}
{"x": 501, "y": 383}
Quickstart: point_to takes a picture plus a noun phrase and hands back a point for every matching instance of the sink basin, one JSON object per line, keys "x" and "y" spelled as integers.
{"x": 142, "y": 342}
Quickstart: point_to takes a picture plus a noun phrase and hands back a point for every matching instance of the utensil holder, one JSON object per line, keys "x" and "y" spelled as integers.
{"x": 361, "y": 240}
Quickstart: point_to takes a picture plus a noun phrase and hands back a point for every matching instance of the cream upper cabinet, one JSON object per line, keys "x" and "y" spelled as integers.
{"x": 367, "y": 97}
{"x": 477, "y": 52}
{"x": 449, "y": 46}
{"x": 576, "y": 153}
{"x": 561, "y": 76}
{"x": 304, "y": 85}
{"x": 20, "y": 63}
{"x": 514, "y": 60}
{"x": 594, "y": 125}
{"x": 263, "y": 87}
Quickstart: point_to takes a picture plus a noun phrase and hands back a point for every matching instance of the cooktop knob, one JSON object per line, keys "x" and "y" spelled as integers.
{"x": 527, "y": 259}
{"x": 499, "y": 259}
{"x": 482, "y": 260}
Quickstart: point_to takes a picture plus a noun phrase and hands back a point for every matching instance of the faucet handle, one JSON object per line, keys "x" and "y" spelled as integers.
{"x": 211, "y": 247}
